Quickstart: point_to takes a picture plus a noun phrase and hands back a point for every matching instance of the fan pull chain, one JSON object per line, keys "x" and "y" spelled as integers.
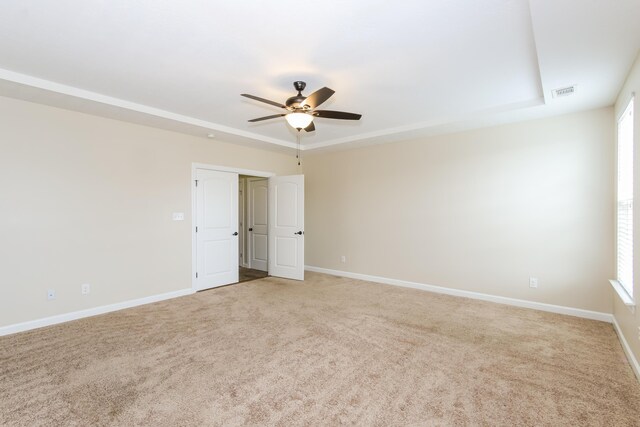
{"x": 298, "y": 148}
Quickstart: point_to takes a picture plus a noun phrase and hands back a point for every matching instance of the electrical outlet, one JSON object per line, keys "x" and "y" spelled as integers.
{"x": 533, "y": 282}
{"x": 86, "y": 289}
{"x": 343, "y": 259}
{"x": 51, "y": 294}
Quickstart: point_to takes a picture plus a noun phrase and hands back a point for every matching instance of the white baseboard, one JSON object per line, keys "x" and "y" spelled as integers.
{"x": 594, "y": 315}
{"x": 61, "y": 318}
{"x": 627, "y": 350}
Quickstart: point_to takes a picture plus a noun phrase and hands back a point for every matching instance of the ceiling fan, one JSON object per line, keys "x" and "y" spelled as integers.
{"x": 301, "y": 109}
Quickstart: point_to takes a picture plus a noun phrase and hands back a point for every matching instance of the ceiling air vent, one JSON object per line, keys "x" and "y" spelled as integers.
{"x": 564, "y": 91}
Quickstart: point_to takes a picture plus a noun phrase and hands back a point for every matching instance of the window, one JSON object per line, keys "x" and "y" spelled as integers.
{"x": 624, "y": 223}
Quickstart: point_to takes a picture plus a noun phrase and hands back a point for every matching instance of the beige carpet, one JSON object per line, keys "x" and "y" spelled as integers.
{"x": 325, "y": 352}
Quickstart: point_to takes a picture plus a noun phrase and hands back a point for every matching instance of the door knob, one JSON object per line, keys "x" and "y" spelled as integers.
{"x": 251, "y": 229}
{"x": 235, "y": 234}
{"x": 299, "y": 233}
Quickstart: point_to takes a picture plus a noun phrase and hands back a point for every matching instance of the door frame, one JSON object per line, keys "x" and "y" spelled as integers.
{"x": 194, "y": 168}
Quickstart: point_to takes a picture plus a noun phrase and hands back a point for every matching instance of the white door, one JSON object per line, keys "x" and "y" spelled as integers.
{"x": 286, "y": 226}
{"x": 242, "y": 258}
{"x": 216, "y": 228}
{"x": 258, "y": 190}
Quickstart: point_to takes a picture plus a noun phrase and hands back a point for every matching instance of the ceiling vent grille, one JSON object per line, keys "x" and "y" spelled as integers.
{"x": 564, "y": 91}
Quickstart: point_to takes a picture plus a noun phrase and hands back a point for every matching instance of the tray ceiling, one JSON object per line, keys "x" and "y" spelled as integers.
{"x": 412, "y": 68}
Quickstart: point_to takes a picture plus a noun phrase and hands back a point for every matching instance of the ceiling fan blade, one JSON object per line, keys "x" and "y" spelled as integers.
{"x": 310, "y": 128}
{"x": 328, "y": 114}
{"x": 266, "y": 101}
{"x": 259, "y": 119}
{"x": 318, "y": 97}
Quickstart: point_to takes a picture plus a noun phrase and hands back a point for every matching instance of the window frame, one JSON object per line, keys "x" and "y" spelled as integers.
{"x": 624, "y": 285}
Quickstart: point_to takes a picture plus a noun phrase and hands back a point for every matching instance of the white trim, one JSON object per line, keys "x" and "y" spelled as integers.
{"x": 428, "y": 125}
{"x": 74, "y": 315}
{"x": 627, "y": 350}
{"x": 623, "y": 294}
{"x": 48, "y": 85}
{"x": 587, "y": 314}
{"x": 239, "y": 171}
{"x": 626, "y": 104}
{"x": 194, "y": 168}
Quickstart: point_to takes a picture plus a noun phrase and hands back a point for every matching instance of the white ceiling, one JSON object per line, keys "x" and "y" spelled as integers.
{"x": 411, "y": 68}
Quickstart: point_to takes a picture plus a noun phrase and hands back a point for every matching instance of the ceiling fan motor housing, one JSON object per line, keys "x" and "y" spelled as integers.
{"x": 295, "y": 101}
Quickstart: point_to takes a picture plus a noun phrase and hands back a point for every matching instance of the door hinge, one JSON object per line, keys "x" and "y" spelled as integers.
{"x": 196, "y": 229}
{"x": 196, "y": 182}
{"x": 196, "y": 275}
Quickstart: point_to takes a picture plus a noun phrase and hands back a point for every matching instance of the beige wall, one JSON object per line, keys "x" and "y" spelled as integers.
{"x": 85, "y": 199}
{"x": 480, "y": 211}
{"x": 630, "y": 321}
{"x": 89, "y": 200}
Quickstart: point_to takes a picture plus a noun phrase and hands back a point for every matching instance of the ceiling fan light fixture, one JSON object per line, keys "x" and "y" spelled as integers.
{"x": 299, "y": 120}
{"x": 300, "y": 110}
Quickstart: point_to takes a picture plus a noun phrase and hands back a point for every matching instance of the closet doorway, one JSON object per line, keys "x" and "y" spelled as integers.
{"x": 253, "y": 221}
{"x": 220, "y": 229}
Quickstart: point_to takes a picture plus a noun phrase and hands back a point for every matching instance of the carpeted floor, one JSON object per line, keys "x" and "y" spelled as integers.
{"x": 327, "y": 351}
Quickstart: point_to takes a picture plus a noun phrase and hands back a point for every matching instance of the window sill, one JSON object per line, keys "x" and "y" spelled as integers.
{"x": 623, "y": 294}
